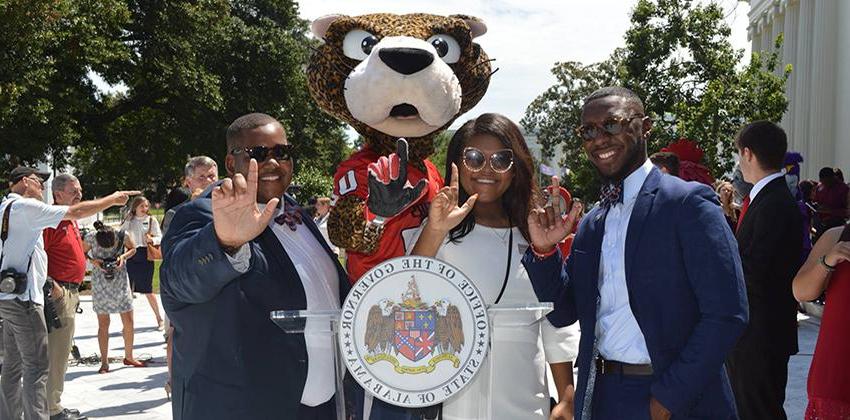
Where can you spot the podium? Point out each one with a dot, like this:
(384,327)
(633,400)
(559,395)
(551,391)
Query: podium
(326,323)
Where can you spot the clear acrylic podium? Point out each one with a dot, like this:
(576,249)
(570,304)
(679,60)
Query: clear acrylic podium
(326,323)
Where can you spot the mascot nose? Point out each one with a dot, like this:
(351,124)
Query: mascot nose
(406,60)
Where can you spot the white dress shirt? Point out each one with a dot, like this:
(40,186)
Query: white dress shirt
(27,219)
(762,183)
(321,286)
(618,335)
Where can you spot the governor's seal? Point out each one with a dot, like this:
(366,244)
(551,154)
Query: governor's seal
(414,331)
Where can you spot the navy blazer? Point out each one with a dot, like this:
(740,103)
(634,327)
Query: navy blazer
(230,361)
(686,290)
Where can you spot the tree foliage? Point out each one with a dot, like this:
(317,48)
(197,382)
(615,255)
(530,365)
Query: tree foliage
(186,70)
(678,58)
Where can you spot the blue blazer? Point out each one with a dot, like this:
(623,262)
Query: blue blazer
(230,361)
(686,290)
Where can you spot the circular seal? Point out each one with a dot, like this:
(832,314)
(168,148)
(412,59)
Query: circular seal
(414,331)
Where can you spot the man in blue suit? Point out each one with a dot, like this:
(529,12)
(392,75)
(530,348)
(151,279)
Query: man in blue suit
(228,262)
(654,279)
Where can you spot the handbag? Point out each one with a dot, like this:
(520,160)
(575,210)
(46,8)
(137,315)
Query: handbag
(154,251)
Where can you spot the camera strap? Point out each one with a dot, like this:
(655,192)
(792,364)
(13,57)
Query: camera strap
(4,232)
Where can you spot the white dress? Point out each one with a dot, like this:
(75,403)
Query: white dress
(520,354)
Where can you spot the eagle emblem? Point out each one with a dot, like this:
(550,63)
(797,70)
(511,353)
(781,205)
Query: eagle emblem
(414,330)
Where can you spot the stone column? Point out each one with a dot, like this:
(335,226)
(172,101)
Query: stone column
(822,119)
(789,56)
(842,88)
(802,87)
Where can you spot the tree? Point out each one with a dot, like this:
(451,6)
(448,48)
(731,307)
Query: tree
(188,69)
(679,60)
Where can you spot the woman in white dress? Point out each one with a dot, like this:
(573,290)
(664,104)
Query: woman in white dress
(490,171)
(109,252)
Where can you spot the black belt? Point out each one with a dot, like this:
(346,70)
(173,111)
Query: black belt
(604,367)
(74,287)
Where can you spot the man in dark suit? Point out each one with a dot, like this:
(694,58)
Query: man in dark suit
(228,263)
(654,279)
(770,239)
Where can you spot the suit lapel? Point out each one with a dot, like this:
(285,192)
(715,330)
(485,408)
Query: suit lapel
(757,203)
(640,212)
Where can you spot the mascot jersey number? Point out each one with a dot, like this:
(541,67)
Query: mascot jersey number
(390,77)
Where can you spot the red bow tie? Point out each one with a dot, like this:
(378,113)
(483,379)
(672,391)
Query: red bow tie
(291,216)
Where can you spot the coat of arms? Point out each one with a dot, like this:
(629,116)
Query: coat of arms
(414,330)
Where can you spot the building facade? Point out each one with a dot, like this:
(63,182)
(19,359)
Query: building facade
(817,45)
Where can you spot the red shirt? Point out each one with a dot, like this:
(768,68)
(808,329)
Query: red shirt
(831,199)
(352,178)
(66,260)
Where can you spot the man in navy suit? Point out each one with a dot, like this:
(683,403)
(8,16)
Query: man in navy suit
(654,279)
(228,263)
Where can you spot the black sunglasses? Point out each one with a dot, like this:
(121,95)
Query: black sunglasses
(501,161)
(261,153)
(612,126)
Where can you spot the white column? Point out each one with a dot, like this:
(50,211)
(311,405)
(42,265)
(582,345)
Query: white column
(802,86)
(789,56)
(822,86)
(842,89)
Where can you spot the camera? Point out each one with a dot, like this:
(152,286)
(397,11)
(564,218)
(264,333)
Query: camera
(11,281)
(109,266)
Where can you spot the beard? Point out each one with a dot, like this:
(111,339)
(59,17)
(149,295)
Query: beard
(635,156)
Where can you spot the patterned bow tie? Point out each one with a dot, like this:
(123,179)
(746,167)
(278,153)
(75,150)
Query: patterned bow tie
(291,216)
(612,193)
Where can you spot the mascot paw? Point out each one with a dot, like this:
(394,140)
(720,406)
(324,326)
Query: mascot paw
(389,192)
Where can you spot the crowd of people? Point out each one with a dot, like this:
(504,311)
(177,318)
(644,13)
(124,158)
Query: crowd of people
(686,293)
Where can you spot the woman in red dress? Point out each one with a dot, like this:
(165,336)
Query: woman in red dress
(826,269)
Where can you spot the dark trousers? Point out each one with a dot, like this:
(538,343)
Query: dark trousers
(324,411)
(758,382)
(618,397)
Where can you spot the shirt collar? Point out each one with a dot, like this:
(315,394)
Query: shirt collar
(634,182)
(763,182)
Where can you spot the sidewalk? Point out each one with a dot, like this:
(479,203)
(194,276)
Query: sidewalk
(137,393)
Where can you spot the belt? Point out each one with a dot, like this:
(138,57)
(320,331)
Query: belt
(604,367)
(74,287)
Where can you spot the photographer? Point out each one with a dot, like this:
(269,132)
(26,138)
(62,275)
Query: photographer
(109,251)
(23,265)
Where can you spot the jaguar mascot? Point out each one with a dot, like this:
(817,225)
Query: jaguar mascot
(392,77)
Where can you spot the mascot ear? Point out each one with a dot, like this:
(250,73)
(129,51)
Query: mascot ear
(476,26)
(320,26)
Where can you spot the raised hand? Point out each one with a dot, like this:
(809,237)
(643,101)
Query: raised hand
(120,198)
(547,227)
(236,216)
(444,213)
(389,192)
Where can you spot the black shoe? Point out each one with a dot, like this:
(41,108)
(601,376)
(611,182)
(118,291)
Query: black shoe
(67,415)
(73,411)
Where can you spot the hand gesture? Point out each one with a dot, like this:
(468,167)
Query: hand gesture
(389,192)
(236,216)
(839,253)
(120,198)
(444,213)
(547,227)
(120,261)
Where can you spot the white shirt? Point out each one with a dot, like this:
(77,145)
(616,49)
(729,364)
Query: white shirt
(321,286)
(138,227)
(618,335)
(26,221)
(322,224)
(520,388)
(762,183)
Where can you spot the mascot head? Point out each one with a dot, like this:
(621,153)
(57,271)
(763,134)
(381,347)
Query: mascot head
(392,76)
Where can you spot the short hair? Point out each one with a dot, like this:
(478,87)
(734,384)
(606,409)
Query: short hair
(619,91)
(61,181)
(839,174)
(826,172)
(668,160)
(246,122)
(196,162)
(767,141)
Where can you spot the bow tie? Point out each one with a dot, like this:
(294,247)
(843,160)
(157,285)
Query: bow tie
(611,194)
(291,216)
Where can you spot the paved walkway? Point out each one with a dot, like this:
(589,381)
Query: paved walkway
(137,393)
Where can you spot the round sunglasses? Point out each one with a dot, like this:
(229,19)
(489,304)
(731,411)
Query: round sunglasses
(612,126)
(261,153)
(501,161)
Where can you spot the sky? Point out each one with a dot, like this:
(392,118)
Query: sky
(528,37)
